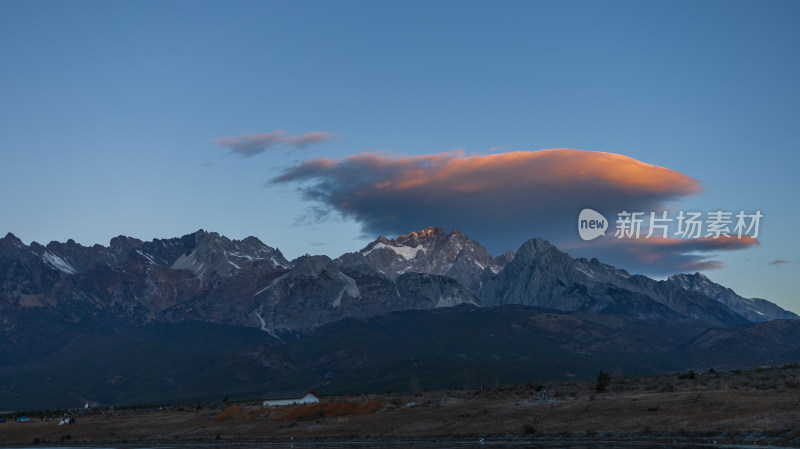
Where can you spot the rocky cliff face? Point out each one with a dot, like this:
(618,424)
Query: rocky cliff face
(431,251)
(756,310)
(317,291)
(198,277)
(540,275)
(59,288)
(47,290)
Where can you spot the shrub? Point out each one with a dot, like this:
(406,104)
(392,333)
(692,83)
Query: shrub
(603,380)
(666,387)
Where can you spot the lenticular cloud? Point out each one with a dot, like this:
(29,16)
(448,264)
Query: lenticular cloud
(499,199)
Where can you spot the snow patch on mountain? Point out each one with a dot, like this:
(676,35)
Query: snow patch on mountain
(451,301)
(148,257)
(272,284)
(264,326)
(406,252)
(189,262)
(58,263)
(349,287)
(240,255)
(276,264)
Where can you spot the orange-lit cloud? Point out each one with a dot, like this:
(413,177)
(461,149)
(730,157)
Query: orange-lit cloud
(247,145)
(779,262)
(498,199)
(457,172)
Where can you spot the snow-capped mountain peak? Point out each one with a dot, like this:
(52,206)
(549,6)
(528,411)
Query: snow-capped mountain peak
(432,251)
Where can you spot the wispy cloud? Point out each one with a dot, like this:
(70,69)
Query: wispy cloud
(310,138)
(251,144)
(779,262)
(665,256)
(499,199)
(248,145)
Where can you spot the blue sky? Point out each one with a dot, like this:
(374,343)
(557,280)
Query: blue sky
(112,112)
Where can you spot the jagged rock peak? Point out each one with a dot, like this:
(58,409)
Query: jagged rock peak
(696,281)
(251,240)
(535,248)
(11,238)
(312,266)
(427,232)
(689,276)
(427,237)
(431,250)
(208,237)
(123,241)
(201,235)
(12,246)
(431,234)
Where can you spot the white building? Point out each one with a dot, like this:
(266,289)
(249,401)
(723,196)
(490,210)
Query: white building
(290,398)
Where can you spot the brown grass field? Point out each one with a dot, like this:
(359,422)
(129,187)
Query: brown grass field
(752,407)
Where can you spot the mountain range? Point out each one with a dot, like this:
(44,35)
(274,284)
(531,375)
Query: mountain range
(347,324)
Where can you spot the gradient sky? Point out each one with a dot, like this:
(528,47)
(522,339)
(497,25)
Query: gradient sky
(154,119)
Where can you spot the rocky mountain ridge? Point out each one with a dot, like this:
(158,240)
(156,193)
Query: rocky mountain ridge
(235,314)
(204,276)
(756,310)
(198,277)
